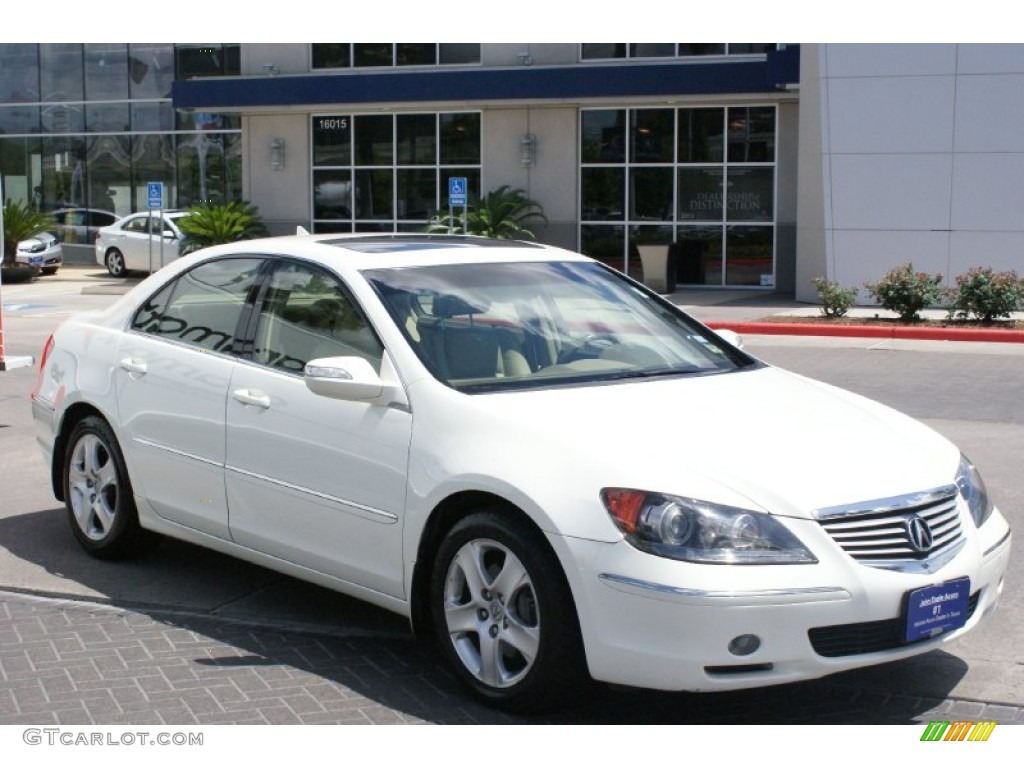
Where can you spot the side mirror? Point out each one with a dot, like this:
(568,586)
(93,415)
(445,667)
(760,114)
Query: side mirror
(343,378)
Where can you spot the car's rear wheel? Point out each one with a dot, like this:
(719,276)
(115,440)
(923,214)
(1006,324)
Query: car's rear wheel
(504,616)
(98,495)
(115,263)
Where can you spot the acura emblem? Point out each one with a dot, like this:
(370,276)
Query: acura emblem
(919,534)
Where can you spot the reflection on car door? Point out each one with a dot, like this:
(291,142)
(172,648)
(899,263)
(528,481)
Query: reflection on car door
(172,382)
(313,480)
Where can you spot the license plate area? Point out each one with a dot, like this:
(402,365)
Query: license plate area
(935,610)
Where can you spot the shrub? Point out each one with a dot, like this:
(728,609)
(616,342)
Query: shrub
(208,225)
(907,292)
(501,213)
(835,300)
(21,223)
(986,295)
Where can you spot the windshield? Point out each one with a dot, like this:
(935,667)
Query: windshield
(480,327)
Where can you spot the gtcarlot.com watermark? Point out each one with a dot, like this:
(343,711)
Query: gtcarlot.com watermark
(70,737)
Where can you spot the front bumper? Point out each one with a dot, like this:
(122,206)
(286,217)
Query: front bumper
(662,624)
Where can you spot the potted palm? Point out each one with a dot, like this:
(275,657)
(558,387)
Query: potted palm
(208,225)
(502,213)
(20,223)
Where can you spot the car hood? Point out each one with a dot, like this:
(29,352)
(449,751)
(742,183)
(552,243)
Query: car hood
(762,437)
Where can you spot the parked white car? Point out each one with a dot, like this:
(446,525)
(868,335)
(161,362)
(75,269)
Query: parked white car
(127,245)
(548,467)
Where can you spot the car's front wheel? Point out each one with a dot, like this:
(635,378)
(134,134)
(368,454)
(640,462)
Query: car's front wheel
(504,615)
(98,494)
(115,263)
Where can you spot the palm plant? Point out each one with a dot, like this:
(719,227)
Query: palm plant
(208,225)
(21,223)
(502,213)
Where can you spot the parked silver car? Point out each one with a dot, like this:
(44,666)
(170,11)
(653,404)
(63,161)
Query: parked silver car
(43,251)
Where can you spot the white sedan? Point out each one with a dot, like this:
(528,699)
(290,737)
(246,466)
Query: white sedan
(127,245)
(544,465)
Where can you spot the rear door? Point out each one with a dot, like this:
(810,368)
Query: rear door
(172,381)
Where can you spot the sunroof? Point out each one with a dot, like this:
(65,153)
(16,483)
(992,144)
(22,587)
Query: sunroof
(396,243)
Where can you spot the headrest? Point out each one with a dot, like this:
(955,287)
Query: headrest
(452,306)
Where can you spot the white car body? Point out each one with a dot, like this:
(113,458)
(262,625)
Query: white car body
(344,487)
(43,251)
(126,245)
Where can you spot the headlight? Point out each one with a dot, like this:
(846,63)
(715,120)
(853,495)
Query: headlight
(701,532)
(972,489)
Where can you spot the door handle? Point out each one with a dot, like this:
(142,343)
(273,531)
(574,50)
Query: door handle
(254,397)
(135,366)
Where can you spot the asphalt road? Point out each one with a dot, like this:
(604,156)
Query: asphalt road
(262,627)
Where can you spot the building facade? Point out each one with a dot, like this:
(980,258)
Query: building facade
(762,165)
(909,153)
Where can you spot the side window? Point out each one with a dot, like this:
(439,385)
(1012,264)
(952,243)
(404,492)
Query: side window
(307,314)
(202,307)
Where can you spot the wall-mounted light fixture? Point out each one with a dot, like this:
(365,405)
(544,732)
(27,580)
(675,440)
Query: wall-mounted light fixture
(271,69)
(525,58)
(277,154)
(528,150)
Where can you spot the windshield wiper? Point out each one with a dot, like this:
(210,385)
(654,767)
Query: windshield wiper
(653,373)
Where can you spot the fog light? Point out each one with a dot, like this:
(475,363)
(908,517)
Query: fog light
(744,645)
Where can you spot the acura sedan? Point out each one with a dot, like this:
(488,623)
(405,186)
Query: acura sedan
(551,470)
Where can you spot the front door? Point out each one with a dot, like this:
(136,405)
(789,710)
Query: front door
(312,480)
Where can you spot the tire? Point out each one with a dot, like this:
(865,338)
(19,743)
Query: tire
(98,494)
(115,263)
(503,615)
(50,270)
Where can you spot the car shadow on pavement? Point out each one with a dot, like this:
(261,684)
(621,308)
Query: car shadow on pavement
(260,647)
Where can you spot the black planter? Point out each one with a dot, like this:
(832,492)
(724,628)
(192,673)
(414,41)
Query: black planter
(18,273)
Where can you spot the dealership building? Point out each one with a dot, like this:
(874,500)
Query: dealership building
(755,165)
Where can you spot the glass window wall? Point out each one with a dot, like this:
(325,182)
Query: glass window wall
(598,51)
(698,179)
(89,125)
(389,173)
(347,55)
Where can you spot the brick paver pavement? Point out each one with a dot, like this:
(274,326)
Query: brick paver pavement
(66,662)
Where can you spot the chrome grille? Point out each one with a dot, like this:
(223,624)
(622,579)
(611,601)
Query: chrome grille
(918,531)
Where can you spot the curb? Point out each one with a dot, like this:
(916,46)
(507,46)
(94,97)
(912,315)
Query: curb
(931,333)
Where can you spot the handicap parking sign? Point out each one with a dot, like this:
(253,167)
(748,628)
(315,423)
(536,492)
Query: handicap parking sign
(155,194)
(457,191)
